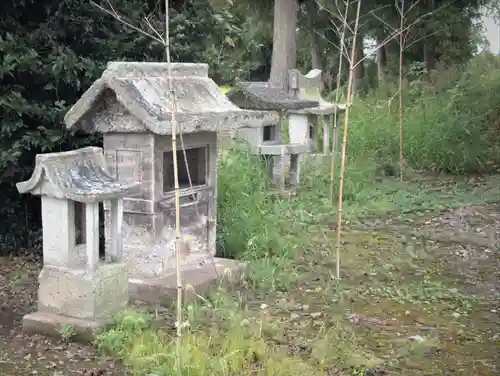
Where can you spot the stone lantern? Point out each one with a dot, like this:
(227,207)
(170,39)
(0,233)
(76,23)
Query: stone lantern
(266,140)
(303,123)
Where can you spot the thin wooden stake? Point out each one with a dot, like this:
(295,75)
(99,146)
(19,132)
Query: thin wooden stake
(178,236)
(401,110)
(344,140)
(335,114)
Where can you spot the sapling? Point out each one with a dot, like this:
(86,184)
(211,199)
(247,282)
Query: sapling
(178,237)
(337,98)
(344,139)
(352,65)
(180,245)
(403,32)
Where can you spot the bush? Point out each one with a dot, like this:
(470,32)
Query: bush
(253,224)
(453,129)
(250,223)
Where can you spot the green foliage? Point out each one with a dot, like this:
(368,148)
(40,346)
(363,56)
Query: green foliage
(251,224)
(236,46)
(41,74)
(454,129)
(231,346)
(254,224)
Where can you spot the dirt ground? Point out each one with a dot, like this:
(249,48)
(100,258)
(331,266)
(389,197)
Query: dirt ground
(419,295)
(430,279)
(23,354)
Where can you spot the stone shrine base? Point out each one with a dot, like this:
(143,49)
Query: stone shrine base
(202,278)
(161,291)
(52,325)
(76,302)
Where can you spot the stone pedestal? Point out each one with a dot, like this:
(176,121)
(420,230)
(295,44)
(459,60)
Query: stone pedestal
(201,278)
(77,297)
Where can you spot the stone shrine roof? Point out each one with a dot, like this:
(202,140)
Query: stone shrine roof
(77,175)
(263,96)
(308,87)
(142,90)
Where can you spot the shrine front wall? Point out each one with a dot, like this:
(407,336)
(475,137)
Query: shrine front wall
(130,158)
(149,235)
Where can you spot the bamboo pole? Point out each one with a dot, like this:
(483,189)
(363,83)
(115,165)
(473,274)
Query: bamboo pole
(337,98)
(171,95)
(344,140)
(178,236)
(401,109)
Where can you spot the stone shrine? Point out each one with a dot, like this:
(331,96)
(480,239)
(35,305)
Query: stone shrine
(130,105)
(75,288)
(303,123)
(266,140)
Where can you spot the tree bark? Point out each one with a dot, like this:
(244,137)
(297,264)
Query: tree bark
(429,55)
(381,62)
(429,44)
(359,70)
(284,42)
(312,14)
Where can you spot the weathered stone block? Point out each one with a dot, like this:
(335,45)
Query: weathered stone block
(83,295)
(51,325)
(201,279)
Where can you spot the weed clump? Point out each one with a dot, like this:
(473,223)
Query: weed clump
(255,225)
(232,348)
(249,224)
(450,124)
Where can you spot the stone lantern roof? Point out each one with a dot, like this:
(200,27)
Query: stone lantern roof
(264,96)
(141,90)
(77,175)
(308,87)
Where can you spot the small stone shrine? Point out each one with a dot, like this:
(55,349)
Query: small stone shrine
(266,140)
(75,288)
(303,123)
(130,105)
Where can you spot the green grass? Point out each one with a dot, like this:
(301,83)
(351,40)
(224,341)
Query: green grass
(289,316)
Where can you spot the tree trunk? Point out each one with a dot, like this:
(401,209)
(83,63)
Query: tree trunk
(359,70)
(429,54)
(312,14)
(381,62)
(284,42)
(430,43)
(316,59)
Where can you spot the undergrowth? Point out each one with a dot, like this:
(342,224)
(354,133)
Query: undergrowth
(451,125)
(236,343)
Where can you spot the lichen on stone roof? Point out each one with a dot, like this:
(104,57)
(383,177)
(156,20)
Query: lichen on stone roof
(77,175)
(142,89)
(263,96)
(308,87)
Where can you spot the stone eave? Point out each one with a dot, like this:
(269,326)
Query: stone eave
(43,173)
(227,117)
(262,96)
(325,108)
